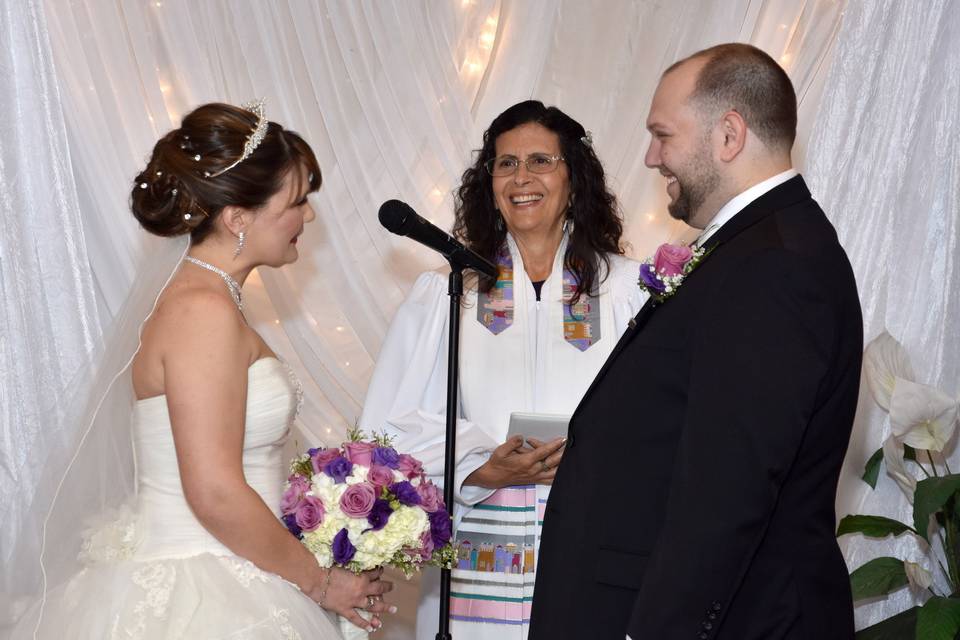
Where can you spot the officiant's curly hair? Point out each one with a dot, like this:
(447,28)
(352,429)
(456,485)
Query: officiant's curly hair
(182,189)
(593,209)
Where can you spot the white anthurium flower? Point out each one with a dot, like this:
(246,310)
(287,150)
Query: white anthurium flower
(917,575)
(893,462)
(922,416)
(885,360)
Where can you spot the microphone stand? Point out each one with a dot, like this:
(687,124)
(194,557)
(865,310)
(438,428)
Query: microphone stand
(455,291)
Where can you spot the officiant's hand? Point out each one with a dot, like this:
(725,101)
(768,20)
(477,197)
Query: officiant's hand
(348,592)
(513,464)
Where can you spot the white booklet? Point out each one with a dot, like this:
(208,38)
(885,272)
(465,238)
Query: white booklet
(540,426)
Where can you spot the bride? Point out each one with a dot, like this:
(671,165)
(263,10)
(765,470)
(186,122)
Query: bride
(202,554)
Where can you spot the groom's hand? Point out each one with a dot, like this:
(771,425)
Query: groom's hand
(513,464)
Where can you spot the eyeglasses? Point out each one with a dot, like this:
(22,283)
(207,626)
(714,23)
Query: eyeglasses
(535,163)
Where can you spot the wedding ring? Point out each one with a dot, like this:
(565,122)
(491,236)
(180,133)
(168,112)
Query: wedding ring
(544,466)
(370,602)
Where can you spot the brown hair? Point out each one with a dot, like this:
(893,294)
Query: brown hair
(173,195)
(593,208)
(745,79)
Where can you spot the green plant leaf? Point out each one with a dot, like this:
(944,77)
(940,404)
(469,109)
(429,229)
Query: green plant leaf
(930,496)
(873,526)
(909,453)
(939,619)
(877,577)
(900,627)
(872,469)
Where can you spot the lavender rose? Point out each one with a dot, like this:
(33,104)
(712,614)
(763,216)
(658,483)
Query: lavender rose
(293,495)
(379,515)
(430,497)
(291,521)
(359,452)
(387,456)
(406,493)
(310,514)
(343,550)
(319,458)
(357,500)
(671,258)
(441,529)
(409,466)
(338,469)
(426,544)
(648,278)
(380,476)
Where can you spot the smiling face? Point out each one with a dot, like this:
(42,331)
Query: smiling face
(531,203)
(681,147)
(273,233)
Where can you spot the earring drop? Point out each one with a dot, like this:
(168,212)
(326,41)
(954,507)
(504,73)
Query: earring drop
(240,240)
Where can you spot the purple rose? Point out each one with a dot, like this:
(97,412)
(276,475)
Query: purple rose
(379,515)
(670,259)
(359,452)
(291,521)
(320,458)
(338,469)
(293,495)
(357,500)
(430,497)
(380,475)
(343,550)
(409,466)
(441,528)
(426,544)
(406,493)
(310,514)
(648,278)
(387,456)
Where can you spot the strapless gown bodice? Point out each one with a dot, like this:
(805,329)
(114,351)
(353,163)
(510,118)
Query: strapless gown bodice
(155,573)
(166,524)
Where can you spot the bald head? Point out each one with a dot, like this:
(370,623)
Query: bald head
(742,78)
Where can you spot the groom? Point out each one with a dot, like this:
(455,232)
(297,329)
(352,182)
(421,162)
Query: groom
(695,499)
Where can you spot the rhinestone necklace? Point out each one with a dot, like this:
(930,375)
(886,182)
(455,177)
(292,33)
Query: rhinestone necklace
(232,284)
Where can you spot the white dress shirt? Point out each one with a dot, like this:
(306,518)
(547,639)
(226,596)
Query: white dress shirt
(739,202)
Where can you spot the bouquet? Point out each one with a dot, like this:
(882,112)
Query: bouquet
(363,505)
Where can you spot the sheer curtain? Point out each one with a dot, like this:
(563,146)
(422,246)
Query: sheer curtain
(394,96)
(884,161)
(49,321)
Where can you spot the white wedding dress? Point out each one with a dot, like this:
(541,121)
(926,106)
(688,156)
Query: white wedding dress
(157,573)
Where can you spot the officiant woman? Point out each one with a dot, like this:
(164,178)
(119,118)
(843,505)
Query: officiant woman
(536,204)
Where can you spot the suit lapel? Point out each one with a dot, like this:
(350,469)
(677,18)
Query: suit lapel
(790,192)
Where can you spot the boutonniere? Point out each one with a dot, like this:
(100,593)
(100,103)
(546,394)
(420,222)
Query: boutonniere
(662,275)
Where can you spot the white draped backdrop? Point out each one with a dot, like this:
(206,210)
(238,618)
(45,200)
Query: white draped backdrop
(394,96)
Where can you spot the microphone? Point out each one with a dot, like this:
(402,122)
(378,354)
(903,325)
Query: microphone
(399,218)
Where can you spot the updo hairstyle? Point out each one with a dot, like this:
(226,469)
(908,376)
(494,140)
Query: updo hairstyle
(178,192)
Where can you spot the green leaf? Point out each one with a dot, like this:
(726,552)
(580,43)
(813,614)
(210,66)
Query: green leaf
(872,469)
(939,619)
(873,526)
(909,453)
(930,496)
(900,627)
(878,577)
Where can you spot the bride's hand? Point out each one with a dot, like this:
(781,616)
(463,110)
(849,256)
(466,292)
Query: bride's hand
(345,592)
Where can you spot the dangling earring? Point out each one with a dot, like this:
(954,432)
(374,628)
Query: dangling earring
(499,222)
(240,240)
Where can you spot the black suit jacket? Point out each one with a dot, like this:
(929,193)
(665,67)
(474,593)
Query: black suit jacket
(695,499)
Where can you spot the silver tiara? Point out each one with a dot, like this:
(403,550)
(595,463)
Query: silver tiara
(253,140)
